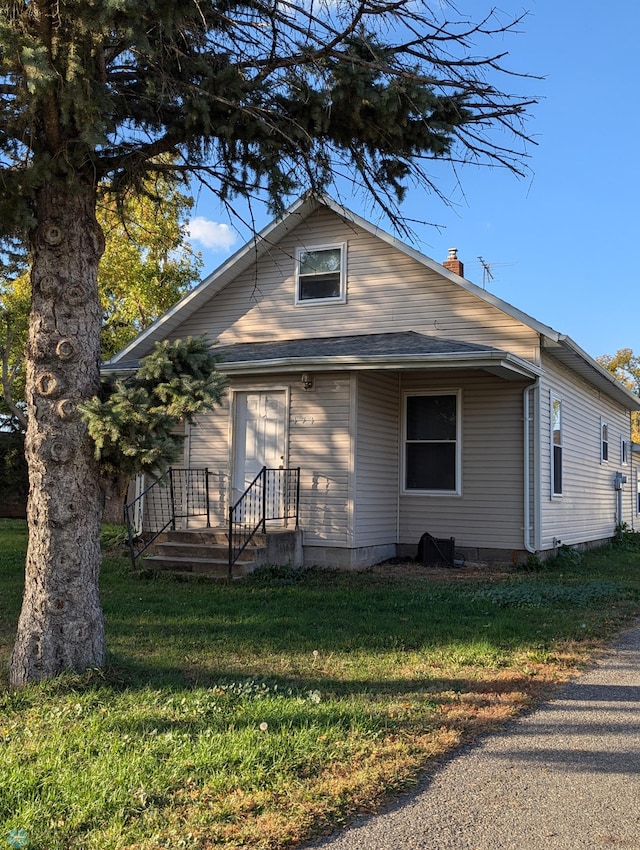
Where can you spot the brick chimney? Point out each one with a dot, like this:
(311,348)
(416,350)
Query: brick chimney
(453,263)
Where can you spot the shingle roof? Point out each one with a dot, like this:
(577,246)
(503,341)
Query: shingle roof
(362,345)
(400,350)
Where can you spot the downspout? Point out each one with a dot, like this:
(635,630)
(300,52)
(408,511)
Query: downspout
(530,531)
(399,459)
(633,489)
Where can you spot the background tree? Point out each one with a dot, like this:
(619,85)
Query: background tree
(624,365)
(258,97)
(146,267)
(147,264)
(15,297)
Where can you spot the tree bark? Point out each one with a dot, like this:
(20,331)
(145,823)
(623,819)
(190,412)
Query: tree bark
(114,491)
(61,624)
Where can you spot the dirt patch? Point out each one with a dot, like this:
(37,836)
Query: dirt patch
(469,571)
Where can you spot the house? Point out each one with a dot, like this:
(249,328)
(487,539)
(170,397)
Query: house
(412,400)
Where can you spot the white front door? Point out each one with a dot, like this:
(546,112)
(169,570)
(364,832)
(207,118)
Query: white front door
(259,435)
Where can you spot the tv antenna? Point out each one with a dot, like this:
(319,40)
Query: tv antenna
(487,274)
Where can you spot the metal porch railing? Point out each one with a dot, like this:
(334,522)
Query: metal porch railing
(178,494)
(273,495)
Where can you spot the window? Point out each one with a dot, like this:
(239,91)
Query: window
(556,447)
(604,441)
(624,450)
(320,274)
(432,442)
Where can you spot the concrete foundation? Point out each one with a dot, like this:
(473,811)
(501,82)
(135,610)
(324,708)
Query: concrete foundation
(338,558)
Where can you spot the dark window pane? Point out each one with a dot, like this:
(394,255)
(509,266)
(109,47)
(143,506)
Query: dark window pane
(557,469)
(431,466)
(320,286)
(431,417)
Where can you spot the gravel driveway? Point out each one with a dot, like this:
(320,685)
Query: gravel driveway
(565,777)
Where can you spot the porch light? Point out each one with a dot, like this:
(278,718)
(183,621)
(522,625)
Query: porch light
(306,380)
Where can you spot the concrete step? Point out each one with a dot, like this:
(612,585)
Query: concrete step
(206,551)
(215,551)
(208,536)
(214,568)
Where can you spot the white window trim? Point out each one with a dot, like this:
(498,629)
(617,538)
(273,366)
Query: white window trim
(403,472)
(342,298)
(552,493)
(604,424)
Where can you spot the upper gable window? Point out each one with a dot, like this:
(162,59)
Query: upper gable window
(320,274)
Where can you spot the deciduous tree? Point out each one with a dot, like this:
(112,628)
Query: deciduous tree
(148,263)
(624,365)
(15,297)
(267,97)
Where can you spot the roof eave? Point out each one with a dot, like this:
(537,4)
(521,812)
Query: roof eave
(571,355)
(501,363)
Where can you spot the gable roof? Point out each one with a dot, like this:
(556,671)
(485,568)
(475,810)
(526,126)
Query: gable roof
(558,345)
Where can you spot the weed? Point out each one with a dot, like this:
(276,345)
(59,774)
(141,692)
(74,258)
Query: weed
(284,574)
(114,539)
(540,594)
(626,538)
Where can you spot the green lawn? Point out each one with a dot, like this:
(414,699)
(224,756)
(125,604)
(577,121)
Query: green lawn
(261,713)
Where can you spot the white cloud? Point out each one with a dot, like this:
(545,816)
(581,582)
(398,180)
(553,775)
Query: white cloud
(211,234)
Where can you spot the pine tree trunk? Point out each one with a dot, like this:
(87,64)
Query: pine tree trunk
(61,624)
(114,491)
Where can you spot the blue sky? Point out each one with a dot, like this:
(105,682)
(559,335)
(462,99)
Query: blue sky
(560,243)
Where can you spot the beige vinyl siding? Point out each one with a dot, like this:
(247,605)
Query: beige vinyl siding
(387,291)
(320,444)
(587,508)
(377,459)
(489,513)
(208,446)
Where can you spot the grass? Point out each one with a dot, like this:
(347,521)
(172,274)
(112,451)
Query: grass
(262,713)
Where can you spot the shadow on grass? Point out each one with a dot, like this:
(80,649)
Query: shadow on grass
(123,673)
